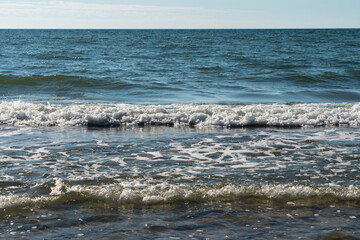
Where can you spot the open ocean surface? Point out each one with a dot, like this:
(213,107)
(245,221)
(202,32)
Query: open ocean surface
(180,134)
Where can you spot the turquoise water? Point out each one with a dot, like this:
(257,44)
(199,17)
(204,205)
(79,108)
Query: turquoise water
(180,66)
(180,134)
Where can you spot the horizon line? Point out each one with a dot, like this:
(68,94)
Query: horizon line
(275,28)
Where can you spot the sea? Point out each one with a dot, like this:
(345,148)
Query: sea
(180,134)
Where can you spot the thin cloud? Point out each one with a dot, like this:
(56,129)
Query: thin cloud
(15,7)
(76,14)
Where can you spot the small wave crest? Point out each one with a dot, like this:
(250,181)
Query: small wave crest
(33,80)
(201,115)
(60,81)
(123,194)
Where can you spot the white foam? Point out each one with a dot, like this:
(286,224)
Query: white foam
(272,115)
(130,193)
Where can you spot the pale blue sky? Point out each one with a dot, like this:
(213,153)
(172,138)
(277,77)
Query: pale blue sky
(180,14)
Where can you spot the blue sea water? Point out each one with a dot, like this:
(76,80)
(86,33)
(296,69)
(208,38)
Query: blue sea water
(180,134)
(180,66)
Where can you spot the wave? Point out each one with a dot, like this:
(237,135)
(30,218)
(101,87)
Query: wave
(123,194)
(200,115)
(60,81)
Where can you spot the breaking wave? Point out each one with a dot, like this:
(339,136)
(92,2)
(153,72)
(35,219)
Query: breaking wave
(255,115)
(169,194)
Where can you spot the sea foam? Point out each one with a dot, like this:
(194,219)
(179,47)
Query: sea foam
(101,114)
(168,194)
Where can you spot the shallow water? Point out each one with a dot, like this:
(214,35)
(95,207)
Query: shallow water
(162,182)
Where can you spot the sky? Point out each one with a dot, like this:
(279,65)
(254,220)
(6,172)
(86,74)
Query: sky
(179,14)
